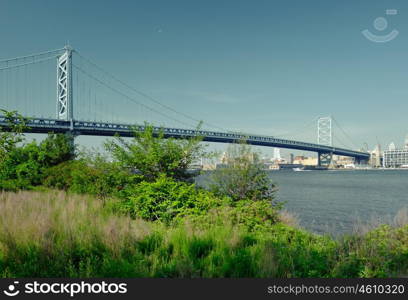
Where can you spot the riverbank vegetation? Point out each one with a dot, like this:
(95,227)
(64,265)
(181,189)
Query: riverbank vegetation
(138,213)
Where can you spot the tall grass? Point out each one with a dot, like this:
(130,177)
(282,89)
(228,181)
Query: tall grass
(54,234)
(362,227)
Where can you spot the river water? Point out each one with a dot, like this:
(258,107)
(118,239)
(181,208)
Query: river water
(336,202)
(342,201)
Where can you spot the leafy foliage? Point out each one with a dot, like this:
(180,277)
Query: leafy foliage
(382,252)
(56,148)
(243,177)
(153,155)
(9,138)
(166,200)
(95,176)
(251,215)
(24,166)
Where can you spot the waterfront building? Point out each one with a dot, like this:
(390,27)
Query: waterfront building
(395,158)
(343,161)
(376,157)
(391,147)
(276,153)
(305,161)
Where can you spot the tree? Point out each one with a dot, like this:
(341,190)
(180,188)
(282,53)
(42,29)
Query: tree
(12,134)
(243,177)
(23,166)
(56,148)
(153,155)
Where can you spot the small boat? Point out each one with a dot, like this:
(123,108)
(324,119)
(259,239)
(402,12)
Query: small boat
(310,168)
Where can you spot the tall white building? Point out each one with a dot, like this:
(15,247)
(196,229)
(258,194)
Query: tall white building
(391,147)
(396,158)
(276,153)
(376,157)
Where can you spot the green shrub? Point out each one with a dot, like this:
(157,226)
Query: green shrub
(61,176)
(166,199)
(24,167)
(154,156)
(382,252)
(253,216)
(243,177)
(96,177)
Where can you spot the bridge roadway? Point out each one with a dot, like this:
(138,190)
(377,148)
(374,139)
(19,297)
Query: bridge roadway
(42,125)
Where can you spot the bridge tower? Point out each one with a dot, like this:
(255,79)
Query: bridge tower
(65,107)
(324,131)
(64,86)
(324,137)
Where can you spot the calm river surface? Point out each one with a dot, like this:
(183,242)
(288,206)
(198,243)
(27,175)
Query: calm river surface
(335,201)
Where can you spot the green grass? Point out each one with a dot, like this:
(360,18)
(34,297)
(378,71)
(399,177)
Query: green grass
(54,234)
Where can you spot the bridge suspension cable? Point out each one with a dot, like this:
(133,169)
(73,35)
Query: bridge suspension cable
(128,97)
(345,133)
(300,131)
(27,63)
(146,95)
(32,55)
(25,82)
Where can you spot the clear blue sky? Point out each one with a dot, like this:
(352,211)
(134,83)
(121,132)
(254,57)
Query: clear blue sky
(267,67)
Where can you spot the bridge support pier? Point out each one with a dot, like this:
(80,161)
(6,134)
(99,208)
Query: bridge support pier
(324,159)
(71,135)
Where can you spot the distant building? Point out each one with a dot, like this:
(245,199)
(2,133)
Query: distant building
(276,153)
(305,161)
(395,158)
(376,157)
(343,161)
(391,147)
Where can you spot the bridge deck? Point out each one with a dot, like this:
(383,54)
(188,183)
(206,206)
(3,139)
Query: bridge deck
(42,125)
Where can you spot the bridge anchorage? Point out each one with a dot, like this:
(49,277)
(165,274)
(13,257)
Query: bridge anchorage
(67,120)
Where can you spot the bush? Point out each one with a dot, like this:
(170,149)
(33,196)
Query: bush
(243,177)
(165,200)
(96,177)
(62,176)
(9,139)
(24,167)
(153,155)
(254,216)
(382,252)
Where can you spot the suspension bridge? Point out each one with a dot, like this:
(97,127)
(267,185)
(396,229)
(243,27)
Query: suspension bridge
(90,101)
